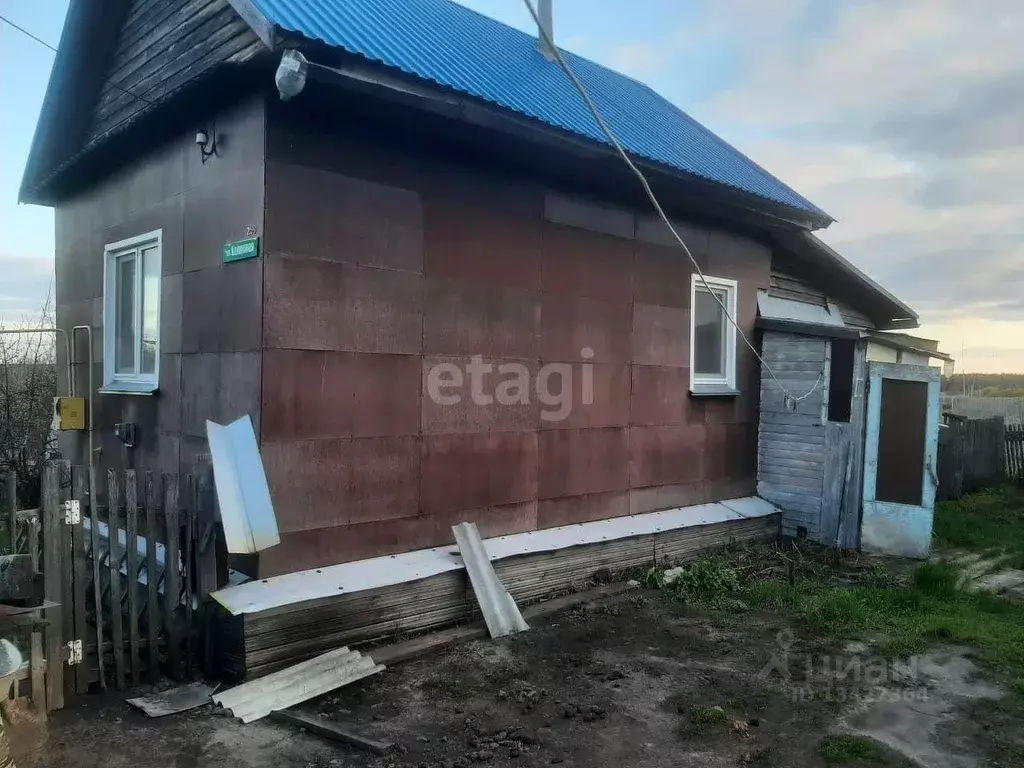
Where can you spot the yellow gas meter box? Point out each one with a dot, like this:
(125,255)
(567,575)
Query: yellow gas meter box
(71,412)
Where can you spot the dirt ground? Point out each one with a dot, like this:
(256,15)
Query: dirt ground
(638,680)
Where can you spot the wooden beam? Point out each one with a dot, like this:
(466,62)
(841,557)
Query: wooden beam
(79,491)
(331,731)
(97,585)
(52,570)
(154,492)
(131,517)
(114,563)
(12,510)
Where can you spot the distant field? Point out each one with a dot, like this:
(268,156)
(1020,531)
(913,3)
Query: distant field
(1010,408)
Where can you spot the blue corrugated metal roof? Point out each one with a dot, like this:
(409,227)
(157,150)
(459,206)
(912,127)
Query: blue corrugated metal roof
(455,47)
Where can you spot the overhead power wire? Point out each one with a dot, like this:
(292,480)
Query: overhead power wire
(610,135)
(45,44)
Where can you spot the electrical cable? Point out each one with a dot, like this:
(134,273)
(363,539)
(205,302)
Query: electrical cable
(47,45)
(609,134)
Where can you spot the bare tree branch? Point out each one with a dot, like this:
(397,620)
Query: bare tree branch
(28,384)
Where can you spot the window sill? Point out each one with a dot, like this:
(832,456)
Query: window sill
(713,390)
(126,388)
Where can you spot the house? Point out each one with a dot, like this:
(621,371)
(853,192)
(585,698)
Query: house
(411,256)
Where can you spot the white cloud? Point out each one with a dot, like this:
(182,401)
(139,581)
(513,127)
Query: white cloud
(637,59)
(904,119)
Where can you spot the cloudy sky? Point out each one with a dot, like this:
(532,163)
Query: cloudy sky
(904,119)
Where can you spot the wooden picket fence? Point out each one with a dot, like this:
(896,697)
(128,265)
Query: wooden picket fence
(976,454)
(1015,452)
(24,531)
(131,575)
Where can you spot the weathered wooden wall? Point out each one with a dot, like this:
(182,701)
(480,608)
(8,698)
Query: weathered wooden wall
(791,443)
(973,455)
(810,467)
(851,492)
(1015,452)
(163,45)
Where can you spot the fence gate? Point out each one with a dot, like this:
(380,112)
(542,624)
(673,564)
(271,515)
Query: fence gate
(130,576)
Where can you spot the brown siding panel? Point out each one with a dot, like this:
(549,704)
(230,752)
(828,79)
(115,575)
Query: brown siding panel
(455,410)
(581,461)
(569,510)
(484,235)
(570,324)
(662,276)
(661,335)
(339,394)
(661,395)
(475,471)
(463,318)
(665,455)
(606,406)
(329,216)
(316,304)
(323,483)
(580,263)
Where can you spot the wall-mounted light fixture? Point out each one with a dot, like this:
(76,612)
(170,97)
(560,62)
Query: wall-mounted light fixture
(207,145)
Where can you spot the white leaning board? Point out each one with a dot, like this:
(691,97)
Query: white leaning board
(499,609)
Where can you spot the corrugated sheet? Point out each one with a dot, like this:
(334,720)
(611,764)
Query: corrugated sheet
(452,46)
(296,684)
(499,609)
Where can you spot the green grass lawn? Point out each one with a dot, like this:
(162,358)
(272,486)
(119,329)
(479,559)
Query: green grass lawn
(989,522)
(902,606)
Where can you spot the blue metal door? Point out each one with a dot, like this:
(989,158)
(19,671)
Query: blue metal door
(900,459)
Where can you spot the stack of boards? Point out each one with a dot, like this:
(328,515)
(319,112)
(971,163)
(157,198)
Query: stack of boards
(256,644)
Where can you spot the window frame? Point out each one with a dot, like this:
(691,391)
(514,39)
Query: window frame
(707,383)
(135,382)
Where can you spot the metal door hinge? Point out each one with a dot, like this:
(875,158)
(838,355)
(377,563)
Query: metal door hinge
(74,652)
(72,512)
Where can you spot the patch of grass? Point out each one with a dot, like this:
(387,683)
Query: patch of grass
(908,618)
(709,581)
(938,579)
(991,522)
(709,716)
(842,748)
(1018,685)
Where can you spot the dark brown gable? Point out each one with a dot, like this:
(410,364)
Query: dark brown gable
(118,61)
(163,45)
